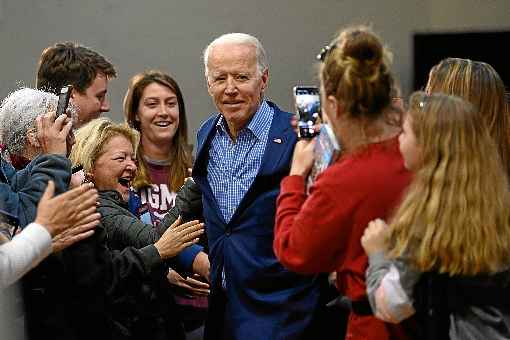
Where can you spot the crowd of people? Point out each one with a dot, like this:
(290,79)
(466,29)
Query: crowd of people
(116,231)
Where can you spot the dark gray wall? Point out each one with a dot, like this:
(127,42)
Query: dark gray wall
(171,34)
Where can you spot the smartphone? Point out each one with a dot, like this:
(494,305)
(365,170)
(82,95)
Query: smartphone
(308,109)
(63,100)
(9,224)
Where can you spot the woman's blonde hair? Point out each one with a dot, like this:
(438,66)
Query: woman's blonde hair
(454,217)
(480,84)
(92,137)
(356,71)
(181,150)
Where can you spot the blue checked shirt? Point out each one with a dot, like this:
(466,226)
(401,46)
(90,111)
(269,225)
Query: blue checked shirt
(233,166)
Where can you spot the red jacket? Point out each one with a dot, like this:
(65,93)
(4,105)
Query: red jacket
(322,232)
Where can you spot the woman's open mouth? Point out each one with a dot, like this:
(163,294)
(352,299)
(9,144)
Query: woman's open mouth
(125,182)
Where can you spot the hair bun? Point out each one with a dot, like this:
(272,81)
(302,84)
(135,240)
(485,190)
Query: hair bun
(363,53)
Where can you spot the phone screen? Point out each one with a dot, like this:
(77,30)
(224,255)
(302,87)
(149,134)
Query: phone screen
(308,109)
(63,100)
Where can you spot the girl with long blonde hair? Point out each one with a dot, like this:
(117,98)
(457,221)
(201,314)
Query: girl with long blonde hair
(453,222)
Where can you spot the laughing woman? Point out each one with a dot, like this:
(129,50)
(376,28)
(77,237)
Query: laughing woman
(107,152)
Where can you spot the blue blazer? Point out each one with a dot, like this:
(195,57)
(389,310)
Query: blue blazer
(263,300)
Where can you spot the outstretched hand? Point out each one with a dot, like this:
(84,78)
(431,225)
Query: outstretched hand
(178,237)
(69,217)
(192,285)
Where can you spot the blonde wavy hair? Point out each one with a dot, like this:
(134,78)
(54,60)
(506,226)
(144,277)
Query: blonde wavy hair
(92,137)
(455,215)
(480,84)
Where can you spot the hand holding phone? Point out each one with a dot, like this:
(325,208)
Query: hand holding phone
(308,109)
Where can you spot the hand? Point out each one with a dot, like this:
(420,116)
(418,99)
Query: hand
(75,234)
(316,126)
(72,208)
(303,158)
(375,237)
(70,141)
(191,285)
(178,237)
(53,133)
(201,265)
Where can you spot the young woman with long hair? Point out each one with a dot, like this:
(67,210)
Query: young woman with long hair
(154,106)
(447,248)
(320,232)
(480,84)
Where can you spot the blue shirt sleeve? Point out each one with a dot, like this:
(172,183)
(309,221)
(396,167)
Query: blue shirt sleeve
(186,257)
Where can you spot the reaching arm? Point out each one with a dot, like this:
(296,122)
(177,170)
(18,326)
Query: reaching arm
(389,288)
(25,251)
(25,188)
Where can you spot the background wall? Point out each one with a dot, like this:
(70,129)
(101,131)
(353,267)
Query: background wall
(171,34)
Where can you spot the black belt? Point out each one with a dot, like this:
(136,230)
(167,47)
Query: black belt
(360,307)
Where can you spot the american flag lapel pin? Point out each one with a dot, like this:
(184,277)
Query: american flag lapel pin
(277,140)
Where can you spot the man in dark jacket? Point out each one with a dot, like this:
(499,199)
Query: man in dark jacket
(243,152)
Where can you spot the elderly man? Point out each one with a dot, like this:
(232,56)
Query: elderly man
(46,157)
(83,68)
(243,152)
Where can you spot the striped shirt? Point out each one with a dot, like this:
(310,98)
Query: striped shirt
(232,165)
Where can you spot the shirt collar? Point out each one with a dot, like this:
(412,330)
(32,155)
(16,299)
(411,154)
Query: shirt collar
(258,125)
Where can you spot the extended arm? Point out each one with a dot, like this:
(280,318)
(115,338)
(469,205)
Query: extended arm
(25,188)
(25,251)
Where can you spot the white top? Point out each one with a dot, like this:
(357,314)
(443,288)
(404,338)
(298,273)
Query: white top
(25,251)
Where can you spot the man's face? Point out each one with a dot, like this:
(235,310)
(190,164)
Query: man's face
(234,83)
(91,103)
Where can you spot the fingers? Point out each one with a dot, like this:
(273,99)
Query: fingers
(78,229)
(189,226)
(89,201)
(176,223)
(59,122)
(89,217)
(195,234)
(197,284)
(190,243)
(67,128)
(60,244)
(39,127)
(81,236)
(77,201)
(192,232)
(48,192)
(85,189)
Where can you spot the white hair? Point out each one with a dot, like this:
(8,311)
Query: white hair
(18,113)
(240,39)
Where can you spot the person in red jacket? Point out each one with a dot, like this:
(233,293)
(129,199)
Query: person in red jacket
(320,231)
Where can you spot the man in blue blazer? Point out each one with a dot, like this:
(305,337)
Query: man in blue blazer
(243,152)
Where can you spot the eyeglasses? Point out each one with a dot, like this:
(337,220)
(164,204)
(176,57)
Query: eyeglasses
(326,50)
